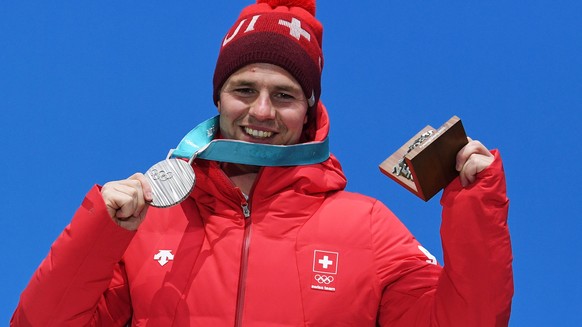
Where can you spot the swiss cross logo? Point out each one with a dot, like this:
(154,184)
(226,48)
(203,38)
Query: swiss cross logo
(325,265)
(325,262)
(295,29)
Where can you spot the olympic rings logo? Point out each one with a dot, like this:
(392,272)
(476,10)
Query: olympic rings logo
(323,279)
(161,175)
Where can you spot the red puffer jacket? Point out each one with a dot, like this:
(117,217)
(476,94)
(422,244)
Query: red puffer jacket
(300,252)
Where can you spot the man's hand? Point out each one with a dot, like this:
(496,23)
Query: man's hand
(128,200)
(471,160)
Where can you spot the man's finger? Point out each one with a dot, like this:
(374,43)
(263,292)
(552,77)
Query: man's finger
(473,147)
(145,186)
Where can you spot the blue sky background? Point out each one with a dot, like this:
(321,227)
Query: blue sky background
(95,91)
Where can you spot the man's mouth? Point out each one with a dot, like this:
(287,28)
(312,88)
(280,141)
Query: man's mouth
(258,134)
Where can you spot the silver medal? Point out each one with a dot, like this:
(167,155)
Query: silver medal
(171,180)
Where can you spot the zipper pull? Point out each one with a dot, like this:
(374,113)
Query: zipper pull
(246,210)
(244,204)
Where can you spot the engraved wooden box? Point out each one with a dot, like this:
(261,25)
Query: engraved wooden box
(426,163)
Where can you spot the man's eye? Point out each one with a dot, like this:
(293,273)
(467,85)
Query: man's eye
(284,96)
(244,90)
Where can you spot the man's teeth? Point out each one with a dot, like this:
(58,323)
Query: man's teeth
(255,133)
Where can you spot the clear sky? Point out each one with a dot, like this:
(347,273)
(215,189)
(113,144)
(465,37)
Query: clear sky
(92,91)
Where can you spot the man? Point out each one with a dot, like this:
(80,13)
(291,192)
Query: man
(275,246)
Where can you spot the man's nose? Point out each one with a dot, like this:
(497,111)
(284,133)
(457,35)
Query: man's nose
(262,108)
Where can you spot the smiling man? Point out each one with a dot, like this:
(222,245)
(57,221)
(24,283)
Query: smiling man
(260,103)
(262,245)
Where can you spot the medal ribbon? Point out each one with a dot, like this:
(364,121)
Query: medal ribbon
(200,143)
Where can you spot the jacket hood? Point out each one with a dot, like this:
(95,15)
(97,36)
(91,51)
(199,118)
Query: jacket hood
(317,126)
(309,179)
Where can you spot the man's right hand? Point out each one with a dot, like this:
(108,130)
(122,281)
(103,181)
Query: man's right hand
(127,200)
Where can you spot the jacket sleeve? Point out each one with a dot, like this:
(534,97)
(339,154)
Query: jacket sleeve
(82,280)
(475,285)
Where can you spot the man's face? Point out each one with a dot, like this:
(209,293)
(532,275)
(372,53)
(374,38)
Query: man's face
(262,103)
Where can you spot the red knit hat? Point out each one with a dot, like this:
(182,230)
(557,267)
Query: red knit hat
(280,32)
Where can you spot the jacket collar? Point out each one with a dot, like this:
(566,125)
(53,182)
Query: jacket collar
(310,180)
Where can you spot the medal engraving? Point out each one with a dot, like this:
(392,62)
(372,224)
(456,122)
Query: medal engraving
(171,180)
(402,169)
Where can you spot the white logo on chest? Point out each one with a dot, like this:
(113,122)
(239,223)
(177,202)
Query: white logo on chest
(325,264)
(163,257)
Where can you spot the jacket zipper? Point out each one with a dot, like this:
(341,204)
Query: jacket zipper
(240,298)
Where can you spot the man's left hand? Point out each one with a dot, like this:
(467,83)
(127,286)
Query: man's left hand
(471,160)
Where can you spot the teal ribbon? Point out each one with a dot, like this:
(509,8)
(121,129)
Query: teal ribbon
(200,143)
